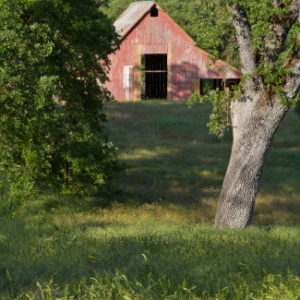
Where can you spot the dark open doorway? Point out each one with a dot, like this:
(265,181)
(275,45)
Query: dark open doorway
(156,76)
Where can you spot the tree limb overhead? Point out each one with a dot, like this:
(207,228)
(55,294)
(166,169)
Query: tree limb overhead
(280,29)
(292,86)
(244,39)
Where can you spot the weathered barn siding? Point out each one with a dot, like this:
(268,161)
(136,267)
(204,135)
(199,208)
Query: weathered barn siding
(161,35)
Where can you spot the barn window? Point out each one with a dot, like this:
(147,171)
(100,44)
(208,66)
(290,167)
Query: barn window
(154,11)
(230,83)
(207,85)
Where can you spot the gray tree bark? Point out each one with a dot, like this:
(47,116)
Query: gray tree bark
(253,130)
(255,119)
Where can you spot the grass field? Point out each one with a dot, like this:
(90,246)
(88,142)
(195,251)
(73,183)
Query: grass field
(153,238)
(173,160)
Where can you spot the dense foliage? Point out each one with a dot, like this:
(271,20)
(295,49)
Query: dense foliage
(51,105)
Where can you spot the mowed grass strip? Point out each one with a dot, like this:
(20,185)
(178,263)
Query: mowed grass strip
(153,238)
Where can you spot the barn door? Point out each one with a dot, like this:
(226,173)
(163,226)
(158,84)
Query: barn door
(156,76)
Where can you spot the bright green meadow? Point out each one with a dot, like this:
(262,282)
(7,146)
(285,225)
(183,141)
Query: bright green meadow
(152,237)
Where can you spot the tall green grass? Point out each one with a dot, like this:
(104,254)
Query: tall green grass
(146,260)
(152,238)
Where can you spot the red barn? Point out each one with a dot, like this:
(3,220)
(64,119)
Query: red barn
(157,59)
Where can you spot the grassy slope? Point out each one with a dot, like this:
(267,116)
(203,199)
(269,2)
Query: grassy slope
(157,231)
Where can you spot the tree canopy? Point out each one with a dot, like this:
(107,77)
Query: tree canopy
(51,100)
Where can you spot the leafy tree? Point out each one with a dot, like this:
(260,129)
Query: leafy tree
(51,103)
(268,38)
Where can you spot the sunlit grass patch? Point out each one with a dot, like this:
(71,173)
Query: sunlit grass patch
(147,154)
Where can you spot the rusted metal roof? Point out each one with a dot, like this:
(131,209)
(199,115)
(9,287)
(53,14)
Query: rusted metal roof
(131,16)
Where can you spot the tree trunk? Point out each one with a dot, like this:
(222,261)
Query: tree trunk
(255,118)
(254,124)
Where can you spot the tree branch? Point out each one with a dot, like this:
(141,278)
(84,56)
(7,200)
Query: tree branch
(244,39)
(295,6)
(292,86)
(280,29)
(275,3)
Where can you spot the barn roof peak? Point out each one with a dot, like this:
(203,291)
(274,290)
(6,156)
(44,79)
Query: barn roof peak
(132,15)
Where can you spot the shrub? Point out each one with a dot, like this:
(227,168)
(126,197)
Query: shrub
(51,117)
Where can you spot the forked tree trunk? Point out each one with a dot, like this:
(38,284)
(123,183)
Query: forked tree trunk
(255,118)
(254,124)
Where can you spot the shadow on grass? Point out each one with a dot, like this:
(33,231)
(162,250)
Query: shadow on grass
(172,158)
(168,151)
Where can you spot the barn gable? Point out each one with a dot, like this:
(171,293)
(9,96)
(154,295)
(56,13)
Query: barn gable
(157,59)
(134,14)
(131,16)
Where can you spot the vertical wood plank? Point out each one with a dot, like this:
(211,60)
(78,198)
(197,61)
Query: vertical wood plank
(196,86)
(170,72)
(137,72)
(194,82)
